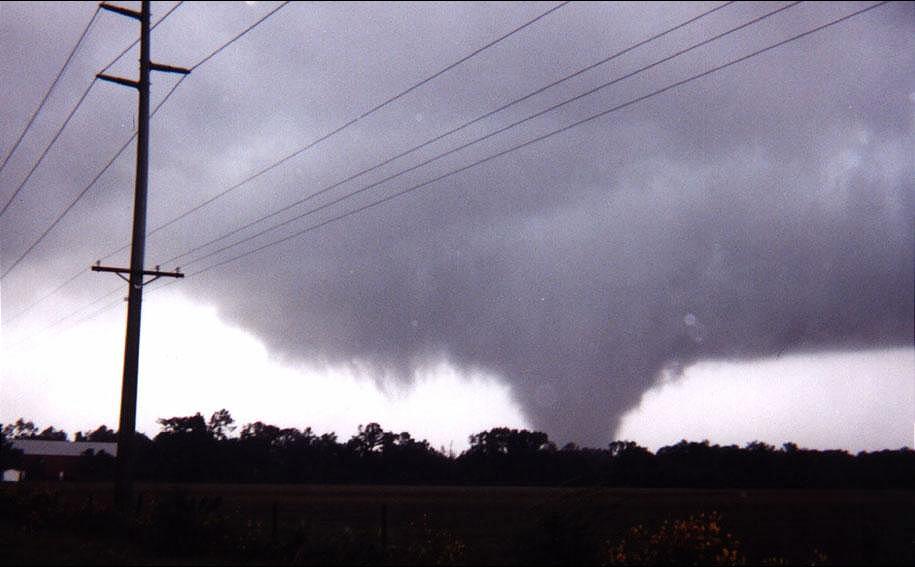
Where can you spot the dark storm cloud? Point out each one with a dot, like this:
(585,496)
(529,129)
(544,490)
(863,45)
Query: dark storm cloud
(766,209)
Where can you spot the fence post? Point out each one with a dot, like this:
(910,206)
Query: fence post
(384,530)
(274,527)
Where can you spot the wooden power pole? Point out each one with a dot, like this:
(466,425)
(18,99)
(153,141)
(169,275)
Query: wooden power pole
(136,272)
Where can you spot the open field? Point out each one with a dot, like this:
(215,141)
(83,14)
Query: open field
(475,525)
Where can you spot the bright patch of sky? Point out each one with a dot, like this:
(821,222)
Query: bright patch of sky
(858,401)
(192,361)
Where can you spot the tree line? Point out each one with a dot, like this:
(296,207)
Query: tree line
(193,449)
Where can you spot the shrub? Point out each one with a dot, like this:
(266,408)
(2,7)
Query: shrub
(697,540)
(430,546)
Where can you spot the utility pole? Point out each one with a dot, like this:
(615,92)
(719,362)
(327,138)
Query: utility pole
(128,418)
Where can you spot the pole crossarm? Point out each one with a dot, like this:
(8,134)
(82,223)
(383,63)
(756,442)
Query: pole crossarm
(122,11)
(168,68)
(118,80)
(155,273)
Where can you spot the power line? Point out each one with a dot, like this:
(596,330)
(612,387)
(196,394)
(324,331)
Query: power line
(79,197)
(288,157)
(533,141)
(47,149)
(239,36)
(86,189)
(119,289)
(71,314)
(45,296)
(283,160)
(454,150)
(157,286)
(574,74)
(541,138)
(255,24)
(47,94)
(448,133)
(349,123)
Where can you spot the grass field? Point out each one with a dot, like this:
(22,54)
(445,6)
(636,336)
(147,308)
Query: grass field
(238,524)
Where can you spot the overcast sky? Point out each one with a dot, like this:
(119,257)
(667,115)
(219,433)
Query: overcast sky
(730,259)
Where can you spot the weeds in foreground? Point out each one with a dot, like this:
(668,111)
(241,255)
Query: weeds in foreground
(696,540)
(431,546)
(176,525)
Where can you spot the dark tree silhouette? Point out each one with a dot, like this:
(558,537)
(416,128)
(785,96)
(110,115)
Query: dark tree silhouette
(221,424)
(100,435)
(22,429)
(190,449)
(10,457)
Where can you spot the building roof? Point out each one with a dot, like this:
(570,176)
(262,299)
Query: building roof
(62,448)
